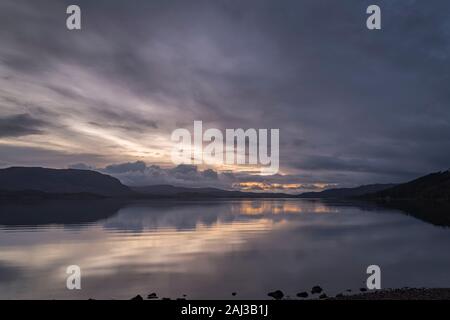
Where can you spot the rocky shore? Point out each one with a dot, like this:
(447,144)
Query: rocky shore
(400,294)
(317,293)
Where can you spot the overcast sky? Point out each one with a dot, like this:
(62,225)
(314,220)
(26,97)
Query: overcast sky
(353,106)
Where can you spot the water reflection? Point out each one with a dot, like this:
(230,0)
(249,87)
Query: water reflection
(65,212)
(208,249)
(252,207)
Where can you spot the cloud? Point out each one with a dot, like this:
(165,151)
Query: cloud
(43,157)
(353,106)
(20,125)
(137,166)
(281,187)
(140,174)
(210,174)
(337,163)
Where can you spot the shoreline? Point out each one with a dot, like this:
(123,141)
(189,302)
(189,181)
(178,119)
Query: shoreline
(400,294)
(317,293)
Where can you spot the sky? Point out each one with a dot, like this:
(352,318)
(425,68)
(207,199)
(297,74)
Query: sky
(354,106)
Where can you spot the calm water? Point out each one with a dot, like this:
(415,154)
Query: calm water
(209,249)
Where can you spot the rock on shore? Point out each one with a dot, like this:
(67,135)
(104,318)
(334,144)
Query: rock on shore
(400,294)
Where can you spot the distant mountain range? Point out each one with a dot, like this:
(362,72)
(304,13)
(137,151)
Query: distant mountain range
(168,191)
(35,182)
(17,182)
(347,192)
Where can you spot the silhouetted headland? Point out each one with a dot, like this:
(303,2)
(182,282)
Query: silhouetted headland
(434,186)
(35,181)
(339,193)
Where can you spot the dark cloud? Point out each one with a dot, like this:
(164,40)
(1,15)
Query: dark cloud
(126,167)
(210,174)
(353,105)
(139,174)
(8,273)
(20,125)
(107,114)
(33,156)
(337,163)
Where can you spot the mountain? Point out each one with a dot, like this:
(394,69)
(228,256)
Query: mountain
(168,191)
(42,183)
(36,180)
(434,186)
(346,192)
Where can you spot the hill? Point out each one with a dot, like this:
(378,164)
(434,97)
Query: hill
(166,189)
(42,183)
(169,191)
(16,180)
(434,186)
(346,192)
